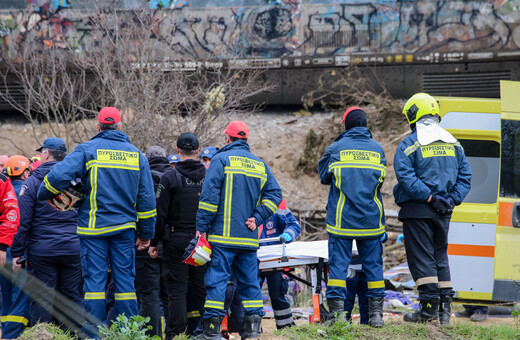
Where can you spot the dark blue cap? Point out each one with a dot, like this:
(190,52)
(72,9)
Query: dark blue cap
(54,144)
(188,141)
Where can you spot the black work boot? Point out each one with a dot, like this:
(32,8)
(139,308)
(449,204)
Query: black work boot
(375,312)
(336,310)
(252,326)
(445,310)
(429,312)
(210,328)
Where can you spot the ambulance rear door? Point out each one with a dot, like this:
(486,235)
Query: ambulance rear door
(471,241)
(507,248)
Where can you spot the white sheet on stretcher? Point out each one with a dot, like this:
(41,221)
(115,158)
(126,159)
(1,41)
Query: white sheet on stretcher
(299,250)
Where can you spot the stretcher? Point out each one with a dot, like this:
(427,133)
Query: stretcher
(285,257)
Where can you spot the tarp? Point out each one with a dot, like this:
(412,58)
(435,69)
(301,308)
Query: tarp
(298,250)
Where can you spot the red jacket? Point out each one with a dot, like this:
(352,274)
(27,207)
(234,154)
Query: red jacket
(9,212)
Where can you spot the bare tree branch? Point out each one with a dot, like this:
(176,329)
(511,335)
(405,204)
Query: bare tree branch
(123,63)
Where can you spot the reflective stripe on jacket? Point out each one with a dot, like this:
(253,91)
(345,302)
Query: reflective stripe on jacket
(118,185)
(238,186)
(438,168)
(355,167)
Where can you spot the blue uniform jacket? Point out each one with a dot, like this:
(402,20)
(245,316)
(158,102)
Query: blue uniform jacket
(439,169)
(17,185)
(118,185)
(238,186)
(355,167)
(283,221)
(43,230)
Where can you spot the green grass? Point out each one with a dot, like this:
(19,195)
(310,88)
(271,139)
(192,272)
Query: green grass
(397,329)
(46,331)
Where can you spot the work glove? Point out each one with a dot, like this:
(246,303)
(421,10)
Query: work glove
(400,238)
(384,237)
(452,202)
(441,204)
(287,237)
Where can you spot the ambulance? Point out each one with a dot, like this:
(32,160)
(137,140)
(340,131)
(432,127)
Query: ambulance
(484,236)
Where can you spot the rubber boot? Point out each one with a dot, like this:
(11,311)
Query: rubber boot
(429,312)
(445,310)
(252,326)
(336,310)
(210,328)
(375,311)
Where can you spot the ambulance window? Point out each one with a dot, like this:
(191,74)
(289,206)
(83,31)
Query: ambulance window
(484,160)
(510,159)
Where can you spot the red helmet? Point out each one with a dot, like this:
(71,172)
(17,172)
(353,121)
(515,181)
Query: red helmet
(198,252)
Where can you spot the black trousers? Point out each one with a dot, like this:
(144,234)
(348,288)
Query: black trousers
(176,276)
(58,273)
(147,287)
(426,243)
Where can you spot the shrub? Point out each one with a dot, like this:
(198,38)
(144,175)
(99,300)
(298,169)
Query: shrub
(127,329)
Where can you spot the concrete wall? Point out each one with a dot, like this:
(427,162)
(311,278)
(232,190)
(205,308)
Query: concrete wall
(270,29)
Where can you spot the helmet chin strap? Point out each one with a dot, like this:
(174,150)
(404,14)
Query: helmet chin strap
(429,131)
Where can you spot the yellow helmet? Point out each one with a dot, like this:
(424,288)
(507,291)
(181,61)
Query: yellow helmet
(419,105)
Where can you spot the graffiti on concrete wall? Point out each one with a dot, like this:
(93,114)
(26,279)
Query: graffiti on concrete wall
(274,28)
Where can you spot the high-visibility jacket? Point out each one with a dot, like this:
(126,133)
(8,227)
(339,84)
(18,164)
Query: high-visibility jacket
(9,212)
(355,167)
(438,168)
(238,186)
(118,185)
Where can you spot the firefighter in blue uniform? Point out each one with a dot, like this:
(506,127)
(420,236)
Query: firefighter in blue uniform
(433,177)
(281,224)
(355,167)
(357,285)
(15,303)
(238,195)
(119,199)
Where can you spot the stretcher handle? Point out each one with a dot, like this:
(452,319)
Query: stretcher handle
(272,239)
(282,241)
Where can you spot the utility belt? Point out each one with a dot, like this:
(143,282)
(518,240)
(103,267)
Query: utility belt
(181,231)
